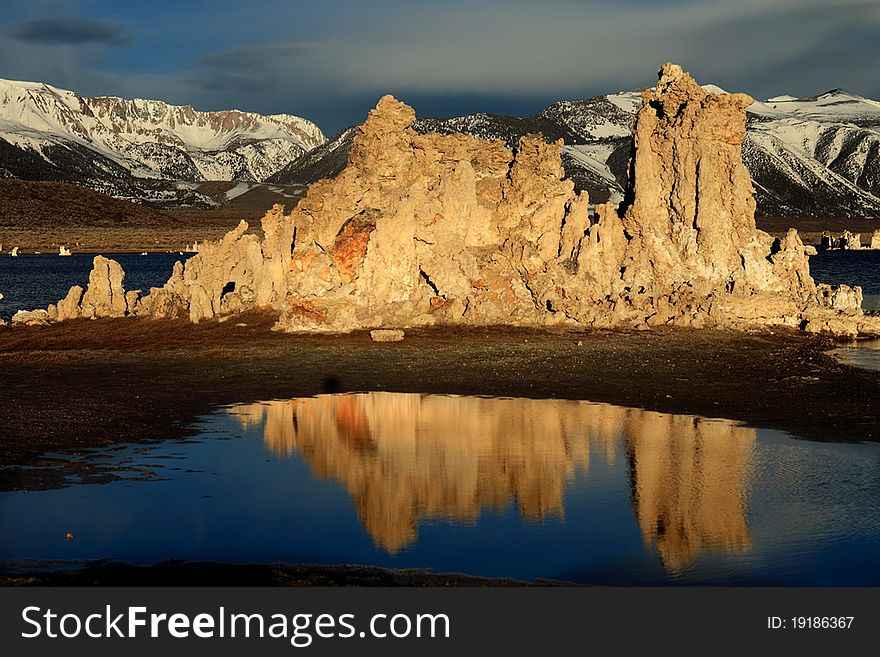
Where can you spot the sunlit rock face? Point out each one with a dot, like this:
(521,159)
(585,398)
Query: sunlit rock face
(422,229)
(407,459)
(694,254)
(105,295)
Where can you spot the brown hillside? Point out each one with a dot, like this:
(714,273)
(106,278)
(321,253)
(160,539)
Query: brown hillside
(61,206)
(41,215)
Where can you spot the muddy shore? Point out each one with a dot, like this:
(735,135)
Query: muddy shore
(81,384)
(183,573)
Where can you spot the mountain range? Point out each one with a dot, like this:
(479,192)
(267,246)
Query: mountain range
(137,148)
(809,157)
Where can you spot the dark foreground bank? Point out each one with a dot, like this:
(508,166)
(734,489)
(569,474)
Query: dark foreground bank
(83,384)
(183,573)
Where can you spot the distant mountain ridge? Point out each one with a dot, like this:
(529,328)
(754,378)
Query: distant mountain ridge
(808,157)
(817,156)
(110,143)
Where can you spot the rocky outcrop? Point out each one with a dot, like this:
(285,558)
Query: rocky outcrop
(422,229)
(846,241)
(840,297)
(240,271)
(69,306)
(432,228)
(105,295)
(31,318)
(387,335)
(875,239)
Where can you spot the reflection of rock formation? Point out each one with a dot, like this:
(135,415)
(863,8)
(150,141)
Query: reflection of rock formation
(406,458)
(689,479)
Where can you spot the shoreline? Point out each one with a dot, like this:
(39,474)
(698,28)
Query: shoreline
(210,573)
(150,380)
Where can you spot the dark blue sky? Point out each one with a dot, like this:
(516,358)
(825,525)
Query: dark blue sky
(331,60)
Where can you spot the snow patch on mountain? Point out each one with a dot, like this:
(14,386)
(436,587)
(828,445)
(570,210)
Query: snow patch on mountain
(150,138)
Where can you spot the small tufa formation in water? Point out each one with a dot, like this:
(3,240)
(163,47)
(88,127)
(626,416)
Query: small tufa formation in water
(875,240)
(451,229)
(105,296)
(64,251)
(846,241)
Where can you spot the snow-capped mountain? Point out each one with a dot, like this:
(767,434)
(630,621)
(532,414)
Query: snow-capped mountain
(809,157)
(596,133)
(817,156)
(111,142)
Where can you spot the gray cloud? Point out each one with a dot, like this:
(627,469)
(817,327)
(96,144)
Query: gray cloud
(56,31)
(458,57)
(330,62)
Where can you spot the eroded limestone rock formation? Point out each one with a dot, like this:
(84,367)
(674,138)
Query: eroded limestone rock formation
(420,229)
(240,271)
(424,229)
(31,318)
(105,295)
(875,239)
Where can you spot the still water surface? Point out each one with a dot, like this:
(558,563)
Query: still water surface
(860,268)
(522,488)
(855,268)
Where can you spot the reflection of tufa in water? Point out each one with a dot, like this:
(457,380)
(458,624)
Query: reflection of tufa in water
(689,480)
(407,457)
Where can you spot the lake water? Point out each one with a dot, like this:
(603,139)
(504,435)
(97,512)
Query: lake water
(861,354)
(32,281)
(853,268)
(523,488)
